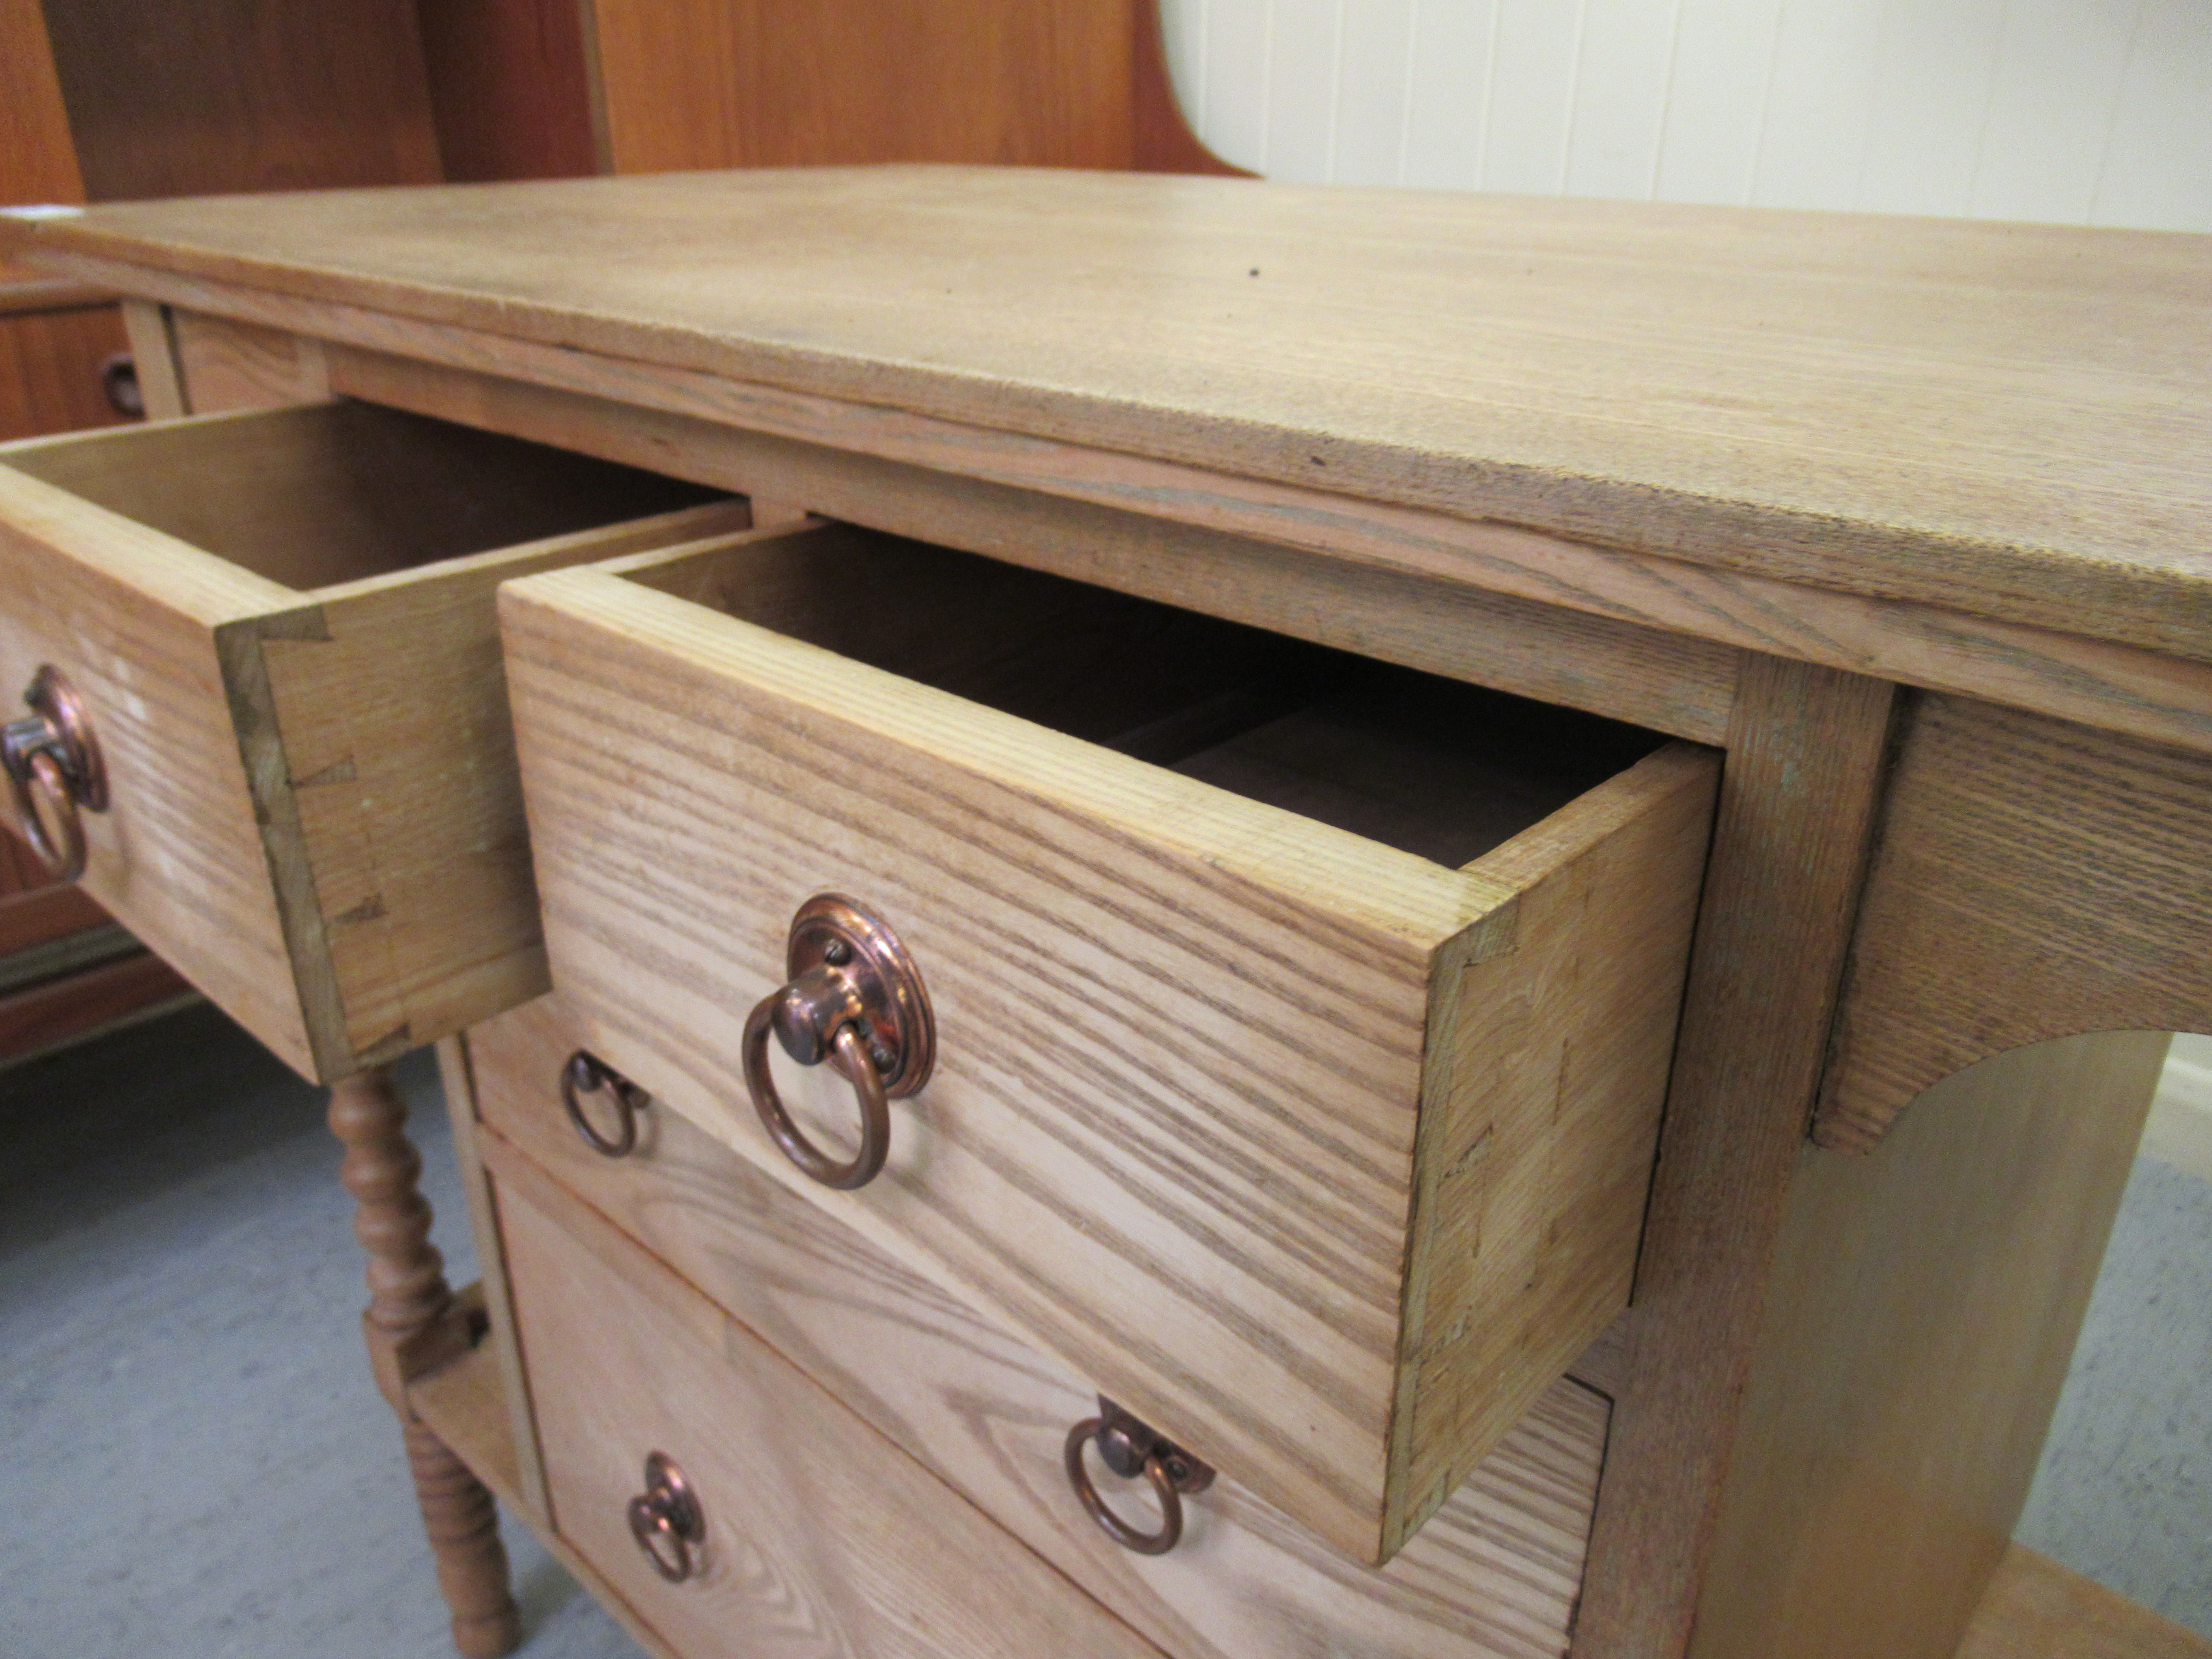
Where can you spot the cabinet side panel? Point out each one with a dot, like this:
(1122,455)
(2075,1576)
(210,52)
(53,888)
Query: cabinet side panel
(1924,1305)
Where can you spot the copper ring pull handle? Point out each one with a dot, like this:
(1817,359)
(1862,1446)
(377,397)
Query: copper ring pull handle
(1130,1447)
(855,999)
(665,1519)
(53,766)
(586,1075)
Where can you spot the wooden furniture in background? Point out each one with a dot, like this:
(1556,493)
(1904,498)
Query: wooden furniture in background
(679,84)
(1869,549)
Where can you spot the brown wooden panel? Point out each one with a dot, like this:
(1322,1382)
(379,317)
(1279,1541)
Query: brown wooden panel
(226,366)
(509,88)
(1857,429)
(224,95)
(718,83)
(1496,1034)
(50,363)
(42,913)
(38,161)
(43,1015)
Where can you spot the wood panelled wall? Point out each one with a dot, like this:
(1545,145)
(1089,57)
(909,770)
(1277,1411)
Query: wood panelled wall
(2090,111)
(710,83)
(173,99)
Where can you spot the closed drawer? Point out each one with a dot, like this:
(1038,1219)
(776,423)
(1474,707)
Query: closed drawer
(815,1534)
(1495,1573)
(1301,1025)
(279,628)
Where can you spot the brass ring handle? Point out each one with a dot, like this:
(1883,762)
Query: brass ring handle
(65,860)
(586,1075)
(54,768)
(851,1060)
(1129,1448)
(665,1519)
(855,999)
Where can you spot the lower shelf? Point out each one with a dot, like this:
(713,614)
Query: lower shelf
(462,1402)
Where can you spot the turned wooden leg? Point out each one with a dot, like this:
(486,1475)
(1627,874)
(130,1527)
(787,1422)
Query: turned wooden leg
(412,1323)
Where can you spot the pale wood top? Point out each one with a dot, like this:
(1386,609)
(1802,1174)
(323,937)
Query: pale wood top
(2013,420)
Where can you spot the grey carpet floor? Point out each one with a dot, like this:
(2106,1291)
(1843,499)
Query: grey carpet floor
(193,1462)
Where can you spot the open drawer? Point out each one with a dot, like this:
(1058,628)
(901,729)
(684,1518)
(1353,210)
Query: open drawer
(278,742)
(1300,1024)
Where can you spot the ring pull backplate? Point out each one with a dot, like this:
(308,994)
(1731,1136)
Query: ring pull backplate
(853,998)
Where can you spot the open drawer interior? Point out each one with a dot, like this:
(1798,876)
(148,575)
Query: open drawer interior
(323,495)
(1434,767)
(278,630)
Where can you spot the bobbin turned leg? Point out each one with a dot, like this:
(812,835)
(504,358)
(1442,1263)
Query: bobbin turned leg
(412,1324)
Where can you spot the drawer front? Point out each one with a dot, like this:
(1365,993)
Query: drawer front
(1324,1157)
(280,627)
(819,1537)
(1494,1573)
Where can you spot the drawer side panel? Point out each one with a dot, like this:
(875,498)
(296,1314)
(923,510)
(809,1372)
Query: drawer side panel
(399,757)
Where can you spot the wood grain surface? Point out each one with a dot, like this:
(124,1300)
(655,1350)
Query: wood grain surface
(2001,420)
(822,1537)
(1051,509)
(519,1478)
(1920,1320)
(2035,880)
(226,366)
(1798,809)
(1635,627)
(1496,1572)
(510,88)
(1201,1054)
(465,1404)
(284,628)
(153,358)
(130,616)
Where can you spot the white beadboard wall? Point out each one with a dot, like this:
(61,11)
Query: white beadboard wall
(2081,111)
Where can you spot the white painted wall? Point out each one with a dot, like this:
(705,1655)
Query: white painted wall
(2093,112)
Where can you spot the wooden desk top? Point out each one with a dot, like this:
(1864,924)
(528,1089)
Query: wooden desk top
(2013,421)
